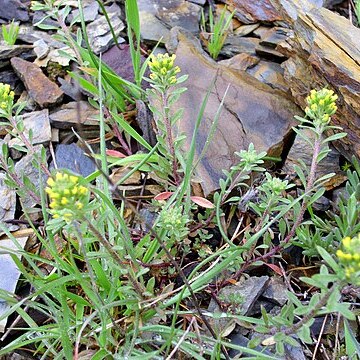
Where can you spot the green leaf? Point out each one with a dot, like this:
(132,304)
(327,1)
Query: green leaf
(131,131)
(335,137)
(351,343)
(328,258)
(304,334)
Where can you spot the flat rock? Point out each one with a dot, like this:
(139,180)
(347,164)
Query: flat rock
(13,9)
(25,167)
(41,17)
(254,11)
(56,56)
(238,44)
(10,273)
(236,338)
(301,150)
(9,77)
(276,291)
(90,12)
(198,2)
(270,53)
(38,122)
(68,116)
(100,36)
(245,293)
(261,31)
(244,30)
(253,112)
(248,291)
(274,36)
(270,73)
(44,92)
(9,51)
(119,59)
(72,157)
(41,49)
(7,200)
(240,62)
(157,17)
(324,51)
(28,34)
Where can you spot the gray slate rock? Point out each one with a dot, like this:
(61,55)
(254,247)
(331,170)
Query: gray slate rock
(238,44)
(198,2)
(302,150)
(41,49)
(100,36)
(9,77)
(274,36)
(276,291)
(90,12)
(7,200)
(10,273)
(247,293)
(13,9)
(157,17)
(28,34)
(38,122)
(25,168)
(41,16)
(72,157)
(243,296)
(244,30)
(9,51)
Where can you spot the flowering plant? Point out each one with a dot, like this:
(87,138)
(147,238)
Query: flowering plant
(321,106)
(6,100)
(67,196)
(349,258)
(163,71)
(163,96)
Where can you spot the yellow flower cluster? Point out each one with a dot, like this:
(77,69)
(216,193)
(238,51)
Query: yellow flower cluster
(163,71)
(349,257)
(6,97)
(321,105)
(66,195)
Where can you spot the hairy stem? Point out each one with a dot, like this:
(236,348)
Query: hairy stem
(300,216)
(169,135)
(311,314)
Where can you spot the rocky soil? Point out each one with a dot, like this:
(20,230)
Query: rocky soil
(276,52)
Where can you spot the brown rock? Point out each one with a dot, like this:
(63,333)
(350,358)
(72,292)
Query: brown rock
(253,112)
(73,113)
(270,73)
(244,30)
(269,53)
(237,44)
(253,11)
(241,61)
(274,36)
(325,51)
(44,92)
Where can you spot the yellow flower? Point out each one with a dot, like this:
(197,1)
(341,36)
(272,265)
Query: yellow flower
(6,100)
(163,71)
(349,258)
(67,196)
(321,105)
